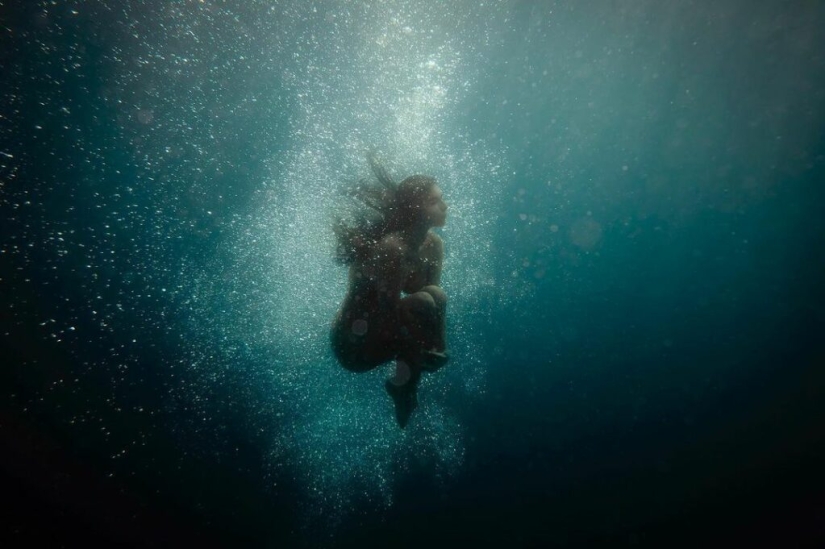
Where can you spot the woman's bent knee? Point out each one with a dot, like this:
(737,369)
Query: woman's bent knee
(418,303)
(438,295)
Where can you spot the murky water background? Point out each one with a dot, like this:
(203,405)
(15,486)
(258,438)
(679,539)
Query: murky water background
(633,259)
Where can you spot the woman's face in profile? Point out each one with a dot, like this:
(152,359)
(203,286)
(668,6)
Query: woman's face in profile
(435,209)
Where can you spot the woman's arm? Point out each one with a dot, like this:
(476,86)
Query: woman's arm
(385,270)
(434,260)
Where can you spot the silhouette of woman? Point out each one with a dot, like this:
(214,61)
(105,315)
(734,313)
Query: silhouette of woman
(394,308)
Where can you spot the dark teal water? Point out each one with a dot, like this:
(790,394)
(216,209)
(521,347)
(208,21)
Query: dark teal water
(634,259)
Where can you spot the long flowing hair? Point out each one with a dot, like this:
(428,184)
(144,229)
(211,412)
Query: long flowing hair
(384,207)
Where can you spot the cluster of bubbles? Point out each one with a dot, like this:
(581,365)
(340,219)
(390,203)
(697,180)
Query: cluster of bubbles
(183,272)
(385,78)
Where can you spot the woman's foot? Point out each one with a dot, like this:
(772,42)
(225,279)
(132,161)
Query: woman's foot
(433,360)
(405,399)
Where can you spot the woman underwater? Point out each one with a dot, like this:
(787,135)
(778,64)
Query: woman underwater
(394,308)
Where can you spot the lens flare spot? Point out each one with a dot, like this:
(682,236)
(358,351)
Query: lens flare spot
(359,327)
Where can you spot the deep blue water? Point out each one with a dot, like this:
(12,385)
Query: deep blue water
(634,259)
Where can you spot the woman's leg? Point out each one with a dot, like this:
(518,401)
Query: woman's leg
(439,325)
(421,346)
(362,341)
(422,314)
